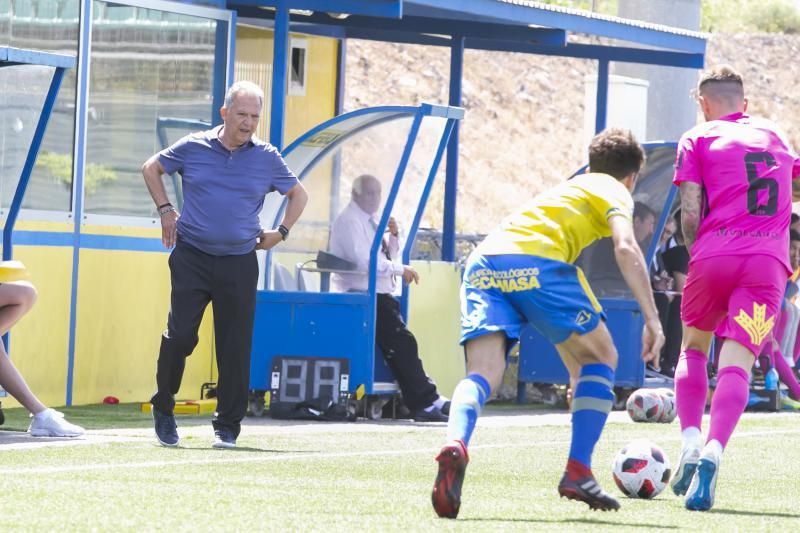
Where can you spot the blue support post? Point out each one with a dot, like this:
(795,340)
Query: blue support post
(423,201)
(219,82)
(601,107)
(336,171)
(280,52)
(78,166)
(451,173)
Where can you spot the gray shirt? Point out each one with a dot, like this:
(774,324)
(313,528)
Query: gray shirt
(223,190)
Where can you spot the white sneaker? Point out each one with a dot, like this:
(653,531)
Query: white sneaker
(685,471)
(50,423)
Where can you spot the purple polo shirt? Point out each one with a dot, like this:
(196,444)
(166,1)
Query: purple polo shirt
(223,190)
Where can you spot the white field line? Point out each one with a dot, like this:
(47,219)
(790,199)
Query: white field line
(310,455)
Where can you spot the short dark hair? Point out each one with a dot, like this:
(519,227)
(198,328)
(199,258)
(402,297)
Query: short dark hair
(722,74)
(641,211)
(794,235)
(616,152)
(795,218)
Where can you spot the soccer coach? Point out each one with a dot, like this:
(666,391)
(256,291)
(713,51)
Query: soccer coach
(225,174)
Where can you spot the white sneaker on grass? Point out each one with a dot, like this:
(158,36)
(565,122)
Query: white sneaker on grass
(685,471)
(51,423)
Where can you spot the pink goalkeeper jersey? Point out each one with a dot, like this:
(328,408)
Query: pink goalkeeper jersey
(745,168)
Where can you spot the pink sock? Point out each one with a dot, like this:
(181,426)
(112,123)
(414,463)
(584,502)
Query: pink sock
(730,399)
(796,352)
(691,388)
(786,375)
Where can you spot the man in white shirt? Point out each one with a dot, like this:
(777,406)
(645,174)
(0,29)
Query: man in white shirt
(351,239)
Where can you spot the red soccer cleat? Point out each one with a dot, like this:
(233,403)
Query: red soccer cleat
(446,495)
(578,483)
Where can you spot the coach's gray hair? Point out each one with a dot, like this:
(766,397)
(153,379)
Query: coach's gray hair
(247,87)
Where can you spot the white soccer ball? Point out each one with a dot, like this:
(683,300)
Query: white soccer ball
(641,469)
(670,411)
(645,405)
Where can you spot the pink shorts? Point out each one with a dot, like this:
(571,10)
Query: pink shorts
(739,297)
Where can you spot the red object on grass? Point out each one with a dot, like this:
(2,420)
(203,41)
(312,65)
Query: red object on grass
(111,400)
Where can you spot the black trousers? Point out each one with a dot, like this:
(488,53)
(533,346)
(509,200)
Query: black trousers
(400,352)
(229,283)
(674,338)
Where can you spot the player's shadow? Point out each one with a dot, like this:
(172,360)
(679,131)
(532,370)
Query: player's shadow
(754,513)
(569,521)
(237,449)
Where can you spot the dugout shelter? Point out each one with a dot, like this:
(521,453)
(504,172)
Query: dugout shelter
(87,229)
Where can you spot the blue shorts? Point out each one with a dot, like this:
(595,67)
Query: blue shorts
(504,292)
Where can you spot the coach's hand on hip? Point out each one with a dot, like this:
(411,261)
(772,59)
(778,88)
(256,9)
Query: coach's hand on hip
(268,239)
(169,228)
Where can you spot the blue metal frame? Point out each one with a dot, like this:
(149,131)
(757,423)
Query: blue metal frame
(451,169)
(511,11)
(372,8)
(280,65)
(412,231)
(10,56)
(601,107)
(30,160)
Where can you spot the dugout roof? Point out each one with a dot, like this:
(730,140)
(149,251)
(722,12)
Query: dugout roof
(522,26)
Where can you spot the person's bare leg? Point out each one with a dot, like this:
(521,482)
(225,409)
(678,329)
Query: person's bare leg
(13,383)
(16,299)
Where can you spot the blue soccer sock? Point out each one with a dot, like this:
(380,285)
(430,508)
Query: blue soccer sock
(468,399)
(591,402)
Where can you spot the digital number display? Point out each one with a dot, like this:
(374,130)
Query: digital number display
(300,379)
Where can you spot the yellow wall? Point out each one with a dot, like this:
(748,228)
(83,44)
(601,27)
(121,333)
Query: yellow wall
(39,342)
(434,316)
(123,301)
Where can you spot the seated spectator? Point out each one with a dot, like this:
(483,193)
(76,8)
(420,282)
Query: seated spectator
(16,299)
(602,271)
(352,234)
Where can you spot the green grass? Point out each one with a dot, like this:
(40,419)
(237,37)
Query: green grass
(371,477)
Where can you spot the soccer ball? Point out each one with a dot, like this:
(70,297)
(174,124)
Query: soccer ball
(670,412)
(645,405)
(641,469)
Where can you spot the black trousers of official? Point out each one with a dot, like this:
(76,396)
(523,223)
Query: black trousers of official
(401,353)
(229,283)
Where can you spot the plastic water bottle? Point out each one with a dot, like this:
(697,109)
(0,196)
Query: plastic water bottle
(771,388)
(771,379)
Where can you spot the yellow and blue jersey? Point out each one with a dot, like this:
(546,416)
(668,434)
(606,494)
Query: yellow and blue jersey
(523,272)
(559,223)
